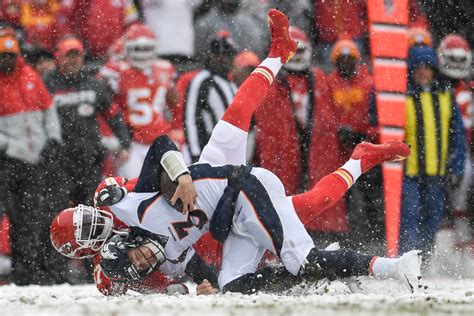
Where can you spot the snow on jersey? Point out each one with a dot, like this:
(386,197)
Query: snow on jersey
(151,211)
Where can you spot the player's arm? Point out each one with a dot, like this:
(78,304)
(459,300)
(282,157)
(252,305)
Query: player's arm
(104,284)
(163,155)
(200,272)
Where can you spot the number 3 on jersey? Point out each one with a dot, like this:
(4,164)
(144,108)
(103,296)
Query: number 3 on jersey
(141,109)
(196,218)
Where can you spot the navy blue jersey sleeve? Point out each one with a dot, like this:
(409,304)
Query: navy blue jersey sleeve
(149,179)
(198,271)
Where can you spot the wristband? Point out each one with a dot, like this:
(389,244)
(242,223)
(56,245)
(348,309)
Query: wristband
(174,165)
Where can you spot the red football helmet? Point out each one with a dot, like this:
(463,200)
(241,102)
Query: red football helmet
(141,46)
(79,232)
(454,55)
(303,58)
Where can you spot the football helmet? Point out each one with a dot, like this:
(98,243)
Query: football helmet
(79,232)
(133,255)
(455,57)
(303,58)
(141,46)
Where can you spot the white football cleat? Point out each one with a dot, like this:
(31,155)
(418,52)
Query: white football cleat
(408,270)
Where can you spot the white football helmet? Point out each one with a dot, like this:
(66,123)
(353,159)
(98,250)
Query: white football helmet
(303,58)
(141,46)
(455,57)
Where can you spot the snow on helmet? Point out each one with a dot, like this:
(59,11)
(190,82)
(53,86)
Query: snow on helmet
(79,232)
(455,57)
(303,58)
(141,46)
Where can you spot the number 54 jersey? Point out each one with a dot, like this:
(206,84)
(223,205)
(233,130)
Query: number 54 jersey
(151,211)
(141,96)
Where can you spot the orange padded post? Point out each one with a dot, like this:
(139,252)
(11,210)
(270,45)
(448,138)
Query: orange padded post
(387,31)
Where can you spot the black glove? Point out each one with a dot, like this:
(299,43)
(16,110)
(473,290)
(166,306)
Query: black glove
(349,138)
(51,153)
(109,195)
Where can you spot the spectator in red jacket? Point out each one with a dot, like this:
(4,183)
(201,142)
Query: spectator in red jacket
(316,131)
(38,18)
(351,97)
(350,88)
(341,19)
(98,22)
(29,137)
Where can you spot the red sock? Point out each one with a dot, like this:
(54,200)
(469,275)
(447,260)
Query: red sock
(248,98)
(327,192)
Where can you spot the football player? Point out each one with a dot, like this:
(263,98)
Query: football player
(142,87)
(454,63)
(245,208)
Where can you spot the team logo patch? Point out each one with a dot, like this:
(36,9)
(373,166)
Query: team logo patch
(85,109)
(66,249)
(107,253)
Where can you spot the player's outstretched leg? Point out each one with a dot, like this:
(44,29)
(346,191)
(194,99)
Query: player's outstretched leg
(227,144)
(332,188)
(254,90)
(345,263)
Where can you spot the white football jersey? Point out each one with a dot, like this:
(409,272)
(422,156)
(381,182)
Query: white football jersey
(151,211)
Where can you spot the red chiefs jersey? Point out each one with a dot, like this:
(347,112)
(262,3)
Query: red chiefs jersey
(141,96)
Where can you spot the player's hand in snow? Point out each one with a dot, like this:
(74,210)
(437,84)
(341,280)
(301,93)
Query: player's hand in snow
(205,288)
(185,192)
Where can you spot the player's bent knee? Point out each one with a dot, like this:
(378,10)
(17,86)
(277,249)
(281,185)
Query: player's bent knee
(227,135)
(212,155)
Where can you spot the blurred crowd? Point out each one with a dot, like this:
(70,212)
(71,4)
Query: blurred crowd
(87,85)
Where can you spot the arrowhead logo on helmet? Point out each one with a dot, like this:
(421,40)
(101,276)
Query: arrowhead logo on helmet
(80,232)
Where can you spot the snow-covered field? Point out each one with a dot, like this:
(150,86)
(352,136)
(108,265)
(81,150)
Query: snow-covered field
(454,297)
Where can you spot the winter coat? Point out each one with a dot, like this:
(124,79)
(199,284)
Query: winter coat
(27,117)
